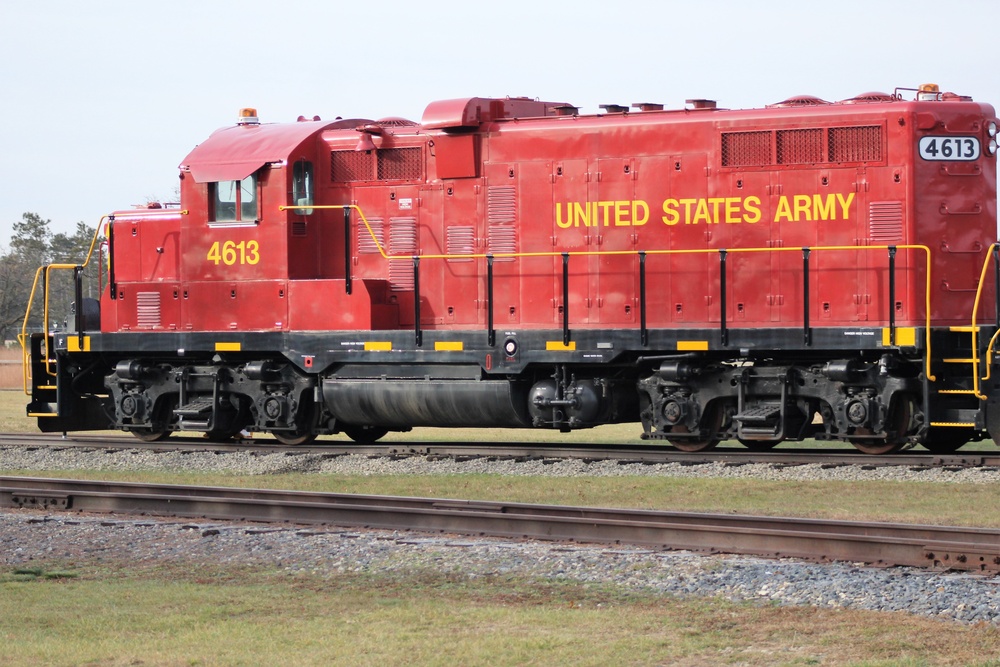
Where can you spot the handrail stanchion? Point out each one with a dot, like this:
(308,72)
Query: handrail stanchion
(723,328)
(892,295)
(347,249)
(492,336)
(419,336)
(643,331)
(806,329)
(565,263)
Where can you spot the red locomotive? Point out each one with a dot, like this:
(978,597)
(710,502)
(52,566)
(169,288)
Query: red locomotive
(806,270)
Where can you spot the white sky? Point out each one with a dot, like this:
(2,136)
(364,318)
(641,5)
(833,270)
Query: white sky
(103,99)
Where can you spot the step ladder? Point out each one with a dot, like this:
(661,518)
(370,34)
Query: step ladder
(962,405)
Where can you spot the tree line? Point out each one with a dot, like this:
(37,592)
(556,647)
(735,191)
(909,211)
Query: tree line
(33,245)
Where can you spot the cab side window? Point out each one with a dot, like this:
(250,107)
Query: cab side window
(302,186)
(234,201)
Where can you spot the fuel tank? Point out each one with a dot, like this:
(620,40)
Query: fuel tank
(407,402)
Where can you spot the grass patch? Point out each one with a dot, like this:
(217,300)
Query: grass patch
(222,617)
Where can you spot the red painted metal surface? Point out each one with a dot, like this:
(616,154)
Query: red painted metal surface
(515,178)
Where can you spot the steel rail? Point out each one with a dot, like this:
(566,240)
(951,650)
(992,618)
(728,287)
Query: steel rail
(969,549)
(624,453)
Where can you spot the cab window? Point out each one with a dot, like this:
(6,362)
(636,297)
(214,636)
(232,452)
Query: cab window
(234,201)
(302,186)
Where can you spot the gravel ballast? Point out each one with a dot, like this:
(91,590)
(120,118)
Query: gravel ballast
(33,536)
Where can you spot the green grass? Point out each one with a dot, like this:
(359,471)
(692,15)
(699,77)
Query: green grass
(251,617)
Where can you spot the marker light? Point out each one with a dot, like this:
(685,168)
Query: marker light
(991,128)
(510,347)
(992,147)
(248,116)
(929,91)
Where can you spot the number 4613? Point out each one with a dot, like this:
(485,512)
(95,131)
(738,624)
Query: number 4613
(231,252)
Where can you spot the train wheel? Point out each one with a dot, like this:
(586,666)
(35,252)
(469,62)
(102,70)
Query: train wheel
(293,439)
(304,432)
(712,420)
(877,447)
(151,435)
(880,447)
(945,440)
(364,435)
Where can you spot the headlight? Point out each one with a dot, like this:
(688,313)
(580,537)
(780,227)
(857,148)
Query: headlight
(992,147)
(991,128)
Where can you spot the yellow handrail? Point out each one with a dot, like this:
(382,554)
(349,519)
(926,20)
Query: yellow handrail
(693,251)
(975,330)
(23,336)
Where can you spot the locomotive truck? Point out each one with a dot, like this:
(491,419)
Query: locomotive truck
(810,269)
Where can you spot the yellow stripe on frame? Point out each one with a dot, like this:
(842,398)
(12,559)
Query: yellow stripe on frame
(378,346)
(904,336)
(449,346)
(228,347)
(73,344)
(559,346)
(692,345)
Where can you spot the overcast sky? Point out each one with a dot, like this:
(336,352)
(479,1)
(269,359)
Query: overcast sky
(103,99)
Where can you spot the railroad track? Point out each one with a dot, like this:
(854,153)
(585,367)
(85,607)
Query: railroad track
(646,453)
(954,548)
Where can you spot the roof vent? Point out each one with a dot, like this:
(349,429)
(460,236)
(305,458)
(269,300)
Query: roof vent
(647,106)
(566,110)
(799,101)
(393,121)
(614,108)
(869,98)
(701,104)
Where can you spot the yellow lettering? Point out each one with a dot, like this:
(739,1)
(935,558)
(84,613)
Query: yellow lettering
(751,206)
(231,253)
(605,215)
(581,213)
(637,220)
(670,214)
(803,207)
(701,212)
(686,203)
(621,214)
(823,207)
(732,210)
(784,211)
(716,202)
(559,219)
(845,204)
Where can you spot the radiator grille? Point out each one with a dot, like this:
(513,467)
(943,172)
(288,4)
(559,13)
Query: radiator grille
(799,146)
(460,240)
(746,149)
(351,166)
(402,241)
(366,244)
(399,164)
(501,204)
(856,144)
(147,309)
(502,239)
(862,143)
(885,221)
